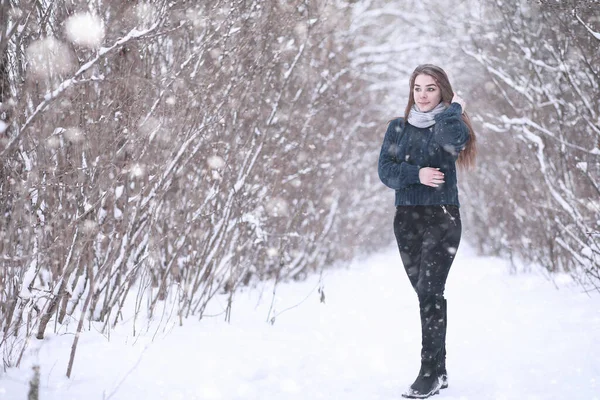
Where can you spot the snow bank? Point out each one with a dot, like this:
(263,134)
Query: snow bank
(509,337)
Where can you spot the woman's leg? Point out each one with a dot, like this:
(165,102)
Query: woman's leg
(440,243)
(408,229)
(441,359)
(441,237)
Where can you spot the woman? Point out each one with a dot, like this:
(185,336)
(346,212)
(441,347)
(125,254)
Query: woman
(418,160)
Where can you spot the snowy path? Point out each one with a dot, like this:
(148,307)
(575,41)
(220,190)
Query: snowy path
(509,337)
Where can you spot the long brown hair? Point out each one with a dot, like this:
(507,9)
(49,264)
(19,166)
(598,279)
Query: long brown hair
(466,158)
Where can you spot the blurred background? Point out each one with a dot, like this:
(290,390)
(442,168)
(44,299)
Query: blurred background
(176,150)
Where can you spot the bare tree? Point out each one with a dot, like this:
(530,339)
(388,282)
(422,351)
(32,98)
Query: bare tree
(178,153)
(538,182)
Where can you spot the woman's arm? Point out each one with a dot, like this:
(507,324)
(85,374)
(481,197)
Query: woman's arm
(393,173)
(450,131)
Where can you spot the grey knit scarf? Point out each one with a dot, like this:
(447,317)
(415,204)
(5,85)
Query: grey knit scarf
(424,119)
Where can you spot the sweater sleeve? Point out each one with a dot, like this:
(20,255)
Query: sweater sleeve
(395,174)
(450,131)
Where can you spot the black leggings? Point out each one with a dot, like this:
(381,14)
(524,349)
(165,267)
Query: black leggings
(428,238)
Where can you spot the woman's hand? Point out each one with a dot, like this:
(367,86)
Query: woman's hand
(431,176)
(459,100)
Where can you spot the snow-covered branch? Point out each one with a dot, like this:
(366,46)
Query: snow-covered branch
(68,83)
(540,110)
(594,34)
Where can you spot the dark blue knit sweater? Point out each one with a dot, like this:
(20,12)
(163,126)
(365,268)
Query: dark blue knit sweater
(406,149)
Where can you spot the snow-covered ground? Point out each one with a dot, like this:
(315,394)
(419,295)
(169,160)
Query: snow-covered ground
(509,337)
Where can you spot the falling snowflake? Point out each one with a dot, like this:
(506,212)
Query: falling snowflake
(74,135)
(215,162)
(137,170)
(48,57)
(53,142)
(277,207)
(196,17)
(85,30)
(89,226)
(145,15)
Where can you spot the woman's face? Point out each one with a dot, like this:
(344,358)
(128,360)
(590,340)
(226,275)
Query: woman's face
(426,92)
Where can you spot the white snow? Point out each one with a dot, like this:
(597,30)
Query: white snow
(255,222)
(3,126)
(137,170)
(28,277)
(197,17)
(145,14)
(74,135)
(594,34)
(53,142)
(85,29)
(47,57)
(89,226)
(583,166)
(119,191)
(215,162)
(215,54)
(509,337)
(277,207)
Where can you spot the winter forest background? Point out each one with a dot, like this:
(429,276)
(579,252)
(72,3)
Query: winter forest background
(164,152)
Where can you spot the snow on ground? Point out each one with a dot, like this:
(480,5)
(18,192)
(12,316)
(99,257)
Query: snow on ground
(509,337)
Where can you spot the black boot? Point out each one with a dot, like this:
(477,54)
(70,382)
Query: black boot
(429,382)
(441,361)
